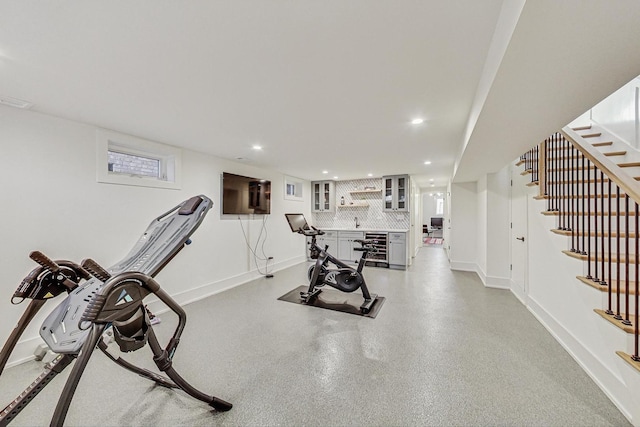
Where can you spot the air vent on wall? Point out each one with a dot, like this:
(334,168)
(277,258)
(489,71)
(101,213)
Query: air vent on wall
(15,102)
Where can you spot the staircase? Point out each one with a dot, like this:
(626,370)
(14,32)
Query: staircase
(589,181)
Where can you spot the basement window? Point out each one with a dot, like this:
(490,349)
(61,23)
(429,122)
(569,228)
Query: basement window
(127,160)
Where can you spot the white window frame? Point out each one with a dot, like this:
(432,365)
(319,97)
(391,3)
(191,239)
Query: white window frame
(170,160)
(296,184)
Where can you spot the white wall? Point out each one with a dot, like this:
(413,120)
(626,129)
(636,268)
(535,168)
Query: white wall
(50,201)
(564,305)
(498,230)
(481,228)
(464,223)
(618,113)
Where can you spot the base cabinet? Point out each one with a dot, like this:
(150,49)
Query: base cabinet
(346,243)
(398,250)
(391,247)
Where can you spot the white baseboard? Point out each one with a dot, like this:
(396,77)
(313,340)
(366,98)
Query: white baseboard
(487,281)
(597,371)
(24,349)
(498,282)
(463,266)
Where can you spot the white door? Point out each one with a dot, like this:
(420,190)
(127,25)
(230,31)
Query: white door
(519,241)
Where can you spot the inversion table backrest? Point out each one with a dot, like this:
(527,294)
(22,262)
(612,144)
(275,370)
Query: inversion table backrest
(163,239)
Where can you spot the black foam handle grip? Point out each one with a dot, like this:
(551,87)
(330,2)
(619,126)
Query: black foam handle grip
(96,270)
(44,261)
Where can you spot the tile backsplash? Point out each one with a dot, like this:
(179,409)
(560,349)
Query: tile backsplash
(370,216)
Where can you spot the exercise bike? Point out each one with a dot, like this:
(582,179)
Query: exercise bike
(344,278)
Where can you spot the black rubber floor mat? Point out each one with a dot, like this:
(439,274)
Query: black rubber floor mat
(335,300)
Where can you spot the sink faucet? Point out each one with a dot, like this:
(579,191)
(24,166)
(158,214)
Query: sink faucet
(357,223)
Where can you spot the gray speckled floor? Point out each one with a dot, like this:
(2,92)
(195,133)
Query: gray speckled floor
(443,350)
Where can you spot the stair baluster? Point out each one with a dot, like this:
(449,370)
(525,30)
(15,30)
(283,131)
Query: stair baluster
(595,225)
(604,278)
(587,200)
(618,233)
(636,355)
(609,262)
(547,158)
(574,185)
(583,252)
(626,320)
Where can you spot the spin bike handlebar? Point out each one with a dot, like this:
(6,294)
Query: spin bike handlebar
(312,232)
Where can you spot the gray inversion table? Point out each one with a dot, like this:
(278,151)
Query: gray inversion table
(98,299)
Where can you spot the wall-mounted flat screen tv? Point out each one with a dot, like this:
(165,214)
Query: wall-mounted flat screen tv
(243,195)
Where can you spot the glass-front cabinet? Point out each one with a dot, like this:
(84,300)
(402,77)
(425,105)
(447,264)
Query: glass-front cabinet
(396,193)
(323,196)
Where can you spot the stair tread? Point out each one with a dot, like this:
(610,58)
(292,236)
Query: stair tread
(581,128)
(627,328)
(613,283)
(602,144)
(599,257)
(606,153)
(593,144)
(631,235)
(591,196)
(591,166)
(627,358)
(599,213)
(580,181)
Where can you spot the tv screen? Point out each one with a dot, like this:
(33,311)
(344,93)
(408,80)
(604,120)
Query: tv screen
(243,195)
(436,222)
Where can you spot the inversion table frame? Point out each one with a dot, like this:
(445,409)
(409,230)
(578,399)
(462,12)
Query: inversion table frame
(101,298)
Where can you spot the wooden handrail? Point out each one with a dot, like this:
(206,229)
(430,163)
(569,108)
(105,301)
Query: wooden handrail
(612,170)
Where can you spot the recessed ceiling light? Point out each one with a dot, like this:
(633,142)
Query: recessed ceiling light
(257,147)
(417,121)
(427,162)
(431,180)
(433,185)
(335,177)
(369,174)
(325,172)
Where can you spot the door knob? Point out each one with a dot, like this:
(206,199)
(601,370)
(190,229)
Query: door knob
(520,238)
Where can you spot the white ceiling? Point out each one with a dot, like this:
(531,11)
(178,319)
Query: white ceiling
(321,85)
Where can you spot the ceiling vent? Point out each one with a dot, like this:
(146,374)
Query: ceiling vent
(15,102)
